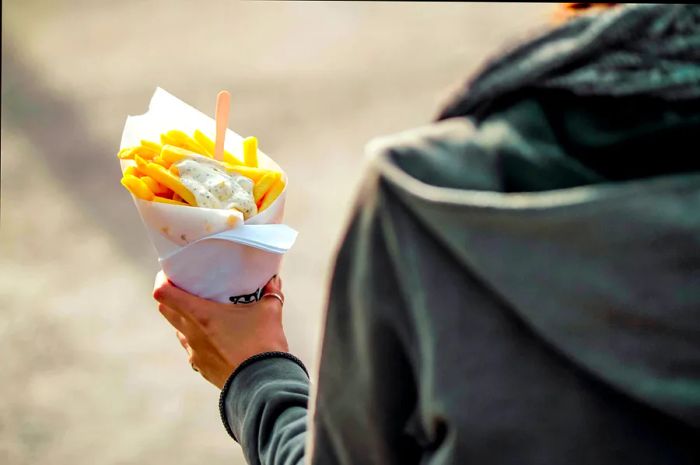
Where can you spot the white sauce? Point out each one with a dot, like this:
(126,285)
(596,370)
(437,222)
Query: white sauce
(213,187)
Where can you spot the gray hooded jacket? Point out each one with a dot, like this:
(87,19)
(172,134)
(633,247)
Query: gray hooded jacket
(520,283)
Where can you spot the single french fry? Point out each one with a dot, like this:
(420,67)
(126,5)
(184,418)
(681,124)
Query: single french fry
(228,158)
(177,198)
(146,152)
(177,136)
(152,185)
(169,180)
(263,185)
(173,169)
(159,199)
(137,187)
(132,170)
(209,145)
(155,187)
(173,154)
(165,139)
(125,153)
(253,173)
(139,172)
(140,162)
(272,194)
(130,152)
(154,146)
(186,142)
(250,151)
(204,141)
(161,162)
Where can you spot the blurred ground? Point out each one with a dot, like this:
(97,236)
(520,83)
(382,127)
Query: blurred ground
(91,374)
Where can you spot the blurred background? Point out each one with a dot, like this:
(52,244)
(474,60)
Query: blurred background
(91,373)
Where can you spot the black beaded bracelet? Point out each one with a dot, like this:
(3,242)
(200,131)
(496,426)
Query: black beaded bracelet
(247,362)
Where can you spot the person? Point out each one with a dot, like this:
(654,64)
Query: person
(520,280)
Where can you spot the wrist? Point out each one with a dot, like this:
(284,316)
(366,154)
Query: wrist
(251,361)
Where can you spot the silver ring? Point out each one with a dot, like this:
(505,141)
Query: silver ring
(275,295)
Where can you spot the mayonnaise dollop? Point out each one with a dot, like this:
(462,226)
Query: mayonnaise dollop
(213,187)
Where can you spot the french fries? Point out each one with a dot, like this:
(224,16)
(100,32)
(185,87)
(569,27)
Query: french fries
(153,174)
(209,144)
(272,194)
(137,187)
(183,140)
(161,162)
(133,171)
(169,180)
(264,185)
(140,163)
(253,173)
(174,154)
(155,187)
(146,152)
(250,151)
(155,146)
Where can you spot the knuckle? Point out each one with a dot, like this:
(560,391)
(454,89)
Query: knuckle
(275,300)
(272,306)
(204,321)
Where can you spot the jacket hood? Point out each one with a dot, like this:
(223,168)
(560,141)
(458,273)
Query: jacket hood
(634,50)
(605,269)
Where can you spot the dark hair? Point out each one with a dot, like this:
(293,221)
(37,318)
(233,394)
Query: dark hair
(567,11)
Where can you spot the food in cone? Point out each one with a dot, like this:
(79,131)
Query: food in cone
(181,171)
(212,205)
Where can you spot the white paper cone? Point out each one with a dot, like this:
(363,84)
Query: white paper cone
(208,252)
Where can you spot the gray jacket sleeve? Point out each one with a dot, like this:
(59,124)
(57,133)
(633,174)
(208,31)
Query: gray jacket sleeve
(365,395)
(264,407)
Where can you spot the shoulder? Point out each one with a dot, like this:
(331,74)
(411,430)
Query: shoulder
(449,154)
(420,140)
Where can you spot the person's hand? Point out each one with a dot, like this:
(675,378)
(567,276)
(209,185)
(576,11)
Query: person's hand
(219,337)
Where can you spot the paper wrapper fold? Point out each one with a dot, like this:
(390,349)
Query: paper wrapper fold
(209,252)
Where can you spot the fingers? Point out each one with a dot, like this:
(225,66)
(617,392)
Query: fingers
(190,353)
(167,293)
(195,309)
(188,333)
(173,317)
(183,342)
(187,305)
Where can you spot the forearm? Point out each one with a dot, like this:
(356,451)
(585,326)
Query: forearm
(264,408)
(366,386)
